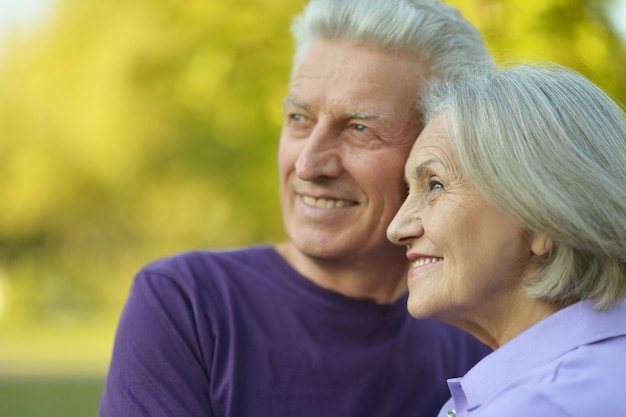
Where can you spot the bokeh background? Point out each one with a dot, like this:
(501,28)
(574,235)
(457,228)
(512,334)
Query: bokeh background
(130,130)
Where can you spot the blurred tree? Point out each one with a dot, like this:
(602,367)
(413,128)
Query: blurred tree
(131,130)
(134,129)
(575,33)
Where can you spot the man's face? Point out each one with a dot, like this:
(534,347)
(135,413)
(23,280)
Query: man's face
(350,120)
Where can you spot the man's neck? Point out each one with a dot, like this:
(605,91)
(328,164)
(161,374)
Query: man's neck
(380,278)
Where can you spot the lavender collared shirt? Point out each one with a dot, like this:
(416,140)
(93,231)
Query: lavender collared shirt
(572,364)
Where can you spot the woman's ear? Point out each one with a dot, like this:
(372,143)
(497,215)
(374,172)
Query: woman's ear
(541,244)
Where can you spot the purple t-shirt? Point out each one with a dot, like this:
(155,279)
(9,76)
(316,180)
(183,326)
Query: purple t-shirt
(571,364)
(241,333)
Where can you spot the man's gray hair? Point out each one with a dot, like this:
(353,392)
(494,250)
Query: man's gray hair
(443,41)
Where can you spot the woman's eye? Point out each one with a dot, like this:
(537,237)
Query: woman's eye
(434,185)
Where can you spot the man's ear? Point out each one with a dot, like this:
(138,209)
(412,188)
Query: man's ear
(541,244)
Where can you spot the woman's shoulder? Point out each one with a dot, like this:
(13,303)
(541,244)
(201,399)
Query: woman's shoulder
(588,380)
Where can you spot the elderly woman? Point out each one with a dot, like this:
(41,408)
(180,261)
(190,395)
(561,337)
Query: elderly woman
(515,226)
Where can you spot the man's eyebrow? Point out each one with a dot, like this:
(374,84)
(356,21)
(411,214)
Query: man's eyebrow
(346,115)
(364,115)
(422,168)
(298,103)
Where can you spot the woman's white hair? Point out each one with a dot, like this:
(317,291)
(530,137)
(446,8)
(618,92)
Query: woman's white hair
(443,41)
(548,147)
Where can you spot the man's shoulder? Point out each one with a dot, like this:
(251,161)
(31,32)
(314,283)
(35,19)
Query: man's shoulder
(202,260)
(208,267)
(205,276)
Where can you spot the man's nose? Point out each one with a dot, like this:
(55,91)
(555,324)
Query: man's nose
(321,155)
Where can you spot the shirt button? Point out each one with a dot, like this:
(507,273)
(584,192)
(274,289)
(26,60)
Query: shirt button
(452,413)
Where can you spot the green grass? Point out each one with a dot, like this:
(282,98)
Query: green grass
(50,396)
(53,369)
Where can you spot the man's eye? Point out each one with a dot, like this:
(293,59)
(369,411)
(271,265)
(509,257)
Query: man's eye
(360,128)
(296,117)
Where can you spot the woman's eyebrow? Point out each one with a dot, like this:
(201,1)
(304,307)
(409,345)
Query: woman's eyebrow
(422,168)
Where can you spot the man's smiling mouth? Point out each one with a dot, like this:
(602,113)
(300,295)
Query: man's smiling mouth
(326,203)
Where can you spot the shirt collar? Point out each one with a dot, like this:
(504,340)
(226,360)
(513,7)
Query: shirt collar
(563,331)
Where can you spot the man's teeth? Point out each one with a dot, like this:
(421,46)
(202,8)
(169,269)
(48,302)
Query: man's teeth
(423,261)
(324,203)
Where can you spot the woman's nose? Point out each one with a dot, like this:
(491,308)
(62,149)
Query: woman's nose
(406,226)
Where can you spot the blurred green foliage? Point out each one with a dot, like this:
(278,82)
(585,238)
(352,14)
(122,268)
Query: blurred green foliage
(575,33)
(130,130)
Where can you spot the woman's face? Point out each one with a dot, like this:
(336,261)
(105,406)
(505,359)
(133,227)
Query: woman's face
(466,256)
